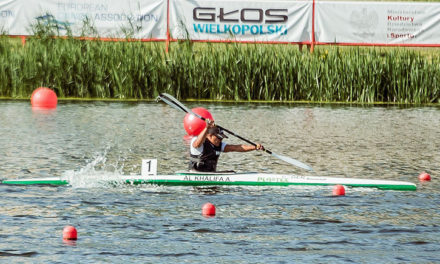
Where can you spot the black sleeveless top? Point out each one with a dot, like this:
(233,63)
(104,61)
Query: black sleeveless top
(207,161)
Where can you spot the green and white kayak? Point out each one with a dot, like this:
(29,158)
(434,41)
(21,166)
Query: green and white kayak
(232,178)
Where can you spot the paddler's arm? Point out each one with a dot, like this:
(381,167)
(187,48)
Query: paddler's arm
(202,136)
(242,148)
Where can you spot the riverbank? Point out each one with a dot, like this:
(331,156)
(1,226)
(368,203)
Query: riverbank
(226,72)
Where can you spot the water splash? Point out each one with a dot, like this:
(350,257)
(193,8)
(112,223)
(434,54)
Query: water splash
(92,178)
(96,173)
(104,172)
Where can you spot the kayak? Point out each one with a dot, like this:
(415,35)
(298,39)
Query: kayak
(232,178)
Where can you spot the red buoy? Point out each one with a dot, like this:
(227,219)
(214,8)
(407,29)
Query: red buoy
(424,176)
(194,125)
(208,209)
(69,233)
(44,97)
(338,190)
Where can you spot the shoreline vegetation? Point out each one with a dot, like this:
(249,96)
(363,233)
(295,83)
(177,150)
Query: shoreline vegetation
(228,72)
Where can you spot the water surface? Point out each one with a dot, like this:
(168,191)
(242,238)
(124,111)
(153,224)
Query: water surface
(150,224)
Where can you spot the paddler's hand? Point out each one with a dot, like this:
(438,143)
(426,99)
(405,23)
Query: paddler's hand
(259,147)
(210,123)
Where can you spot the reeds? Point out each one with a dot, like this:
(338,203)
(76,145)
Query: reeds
(132,69)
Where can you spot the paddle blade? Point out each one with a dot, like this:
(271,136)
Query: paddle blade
(293,162)
(171,104)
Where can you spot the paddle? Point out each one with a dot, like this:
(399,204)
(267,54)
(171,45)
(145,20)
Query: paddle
(173,102)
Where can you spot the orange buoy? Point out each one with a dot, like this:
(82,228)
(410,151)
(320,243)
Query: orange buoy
(338,190)
(208,209)
(70,233)
(424,176)
(44,97)
(194,125)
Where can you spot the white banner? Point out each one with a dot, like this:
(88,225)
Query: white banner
(129,18)
(214,20)
(9,14)
(378,23)
(358,23)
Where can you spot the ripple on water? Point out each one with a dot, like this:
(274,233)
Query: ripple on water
(90,142)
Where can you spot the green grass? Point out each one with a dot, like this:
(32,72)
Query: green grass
(135,70)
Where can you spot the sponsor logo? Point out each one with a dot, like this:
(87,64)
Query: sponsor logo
(364,22)
(403,24)
(272,179)
(50,20)
(100,12)
(245,15)
(245,21)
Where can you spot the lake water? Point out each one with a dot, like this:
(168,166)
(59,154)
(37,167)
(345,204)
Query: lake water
(149,224)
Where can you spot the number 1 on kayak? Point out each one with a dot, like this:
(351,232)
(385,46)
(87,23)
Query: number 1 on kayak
(149,167)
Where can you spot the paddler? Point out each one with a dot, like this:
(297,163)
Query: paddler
(205,149)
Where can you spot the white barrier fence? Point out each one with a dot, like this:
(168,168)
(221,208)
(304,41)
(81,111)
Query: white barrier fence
(278,21)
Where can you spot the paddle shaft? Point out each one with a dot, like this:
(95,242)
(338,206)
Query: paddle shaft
(237,136)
